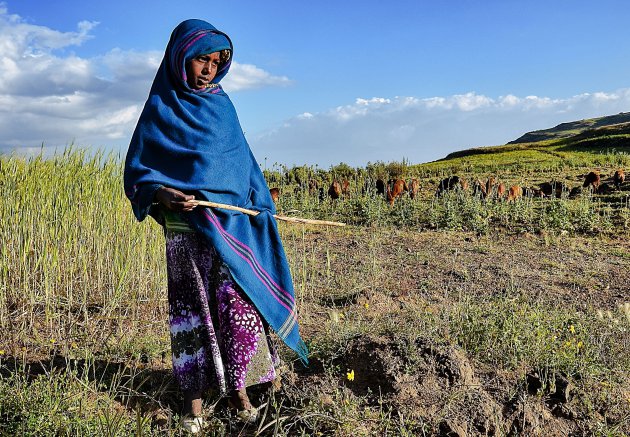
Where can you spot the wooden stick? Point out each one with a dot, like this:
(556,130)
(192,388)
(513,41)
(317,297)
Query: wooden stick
(278,217)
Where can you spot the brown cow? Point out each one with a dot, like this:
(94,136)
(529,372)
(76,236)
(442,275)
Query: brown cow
(334,191)
(275,194)
(490,183)
(501,191)
(414,186)
(514,193)
(313,187)
(398,188)
(618,178)
(593,180)
(345,187)
(451,183)
(479,189)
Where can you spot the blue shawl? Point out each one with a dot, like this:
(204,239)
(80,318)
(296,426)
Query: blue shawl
(191,140)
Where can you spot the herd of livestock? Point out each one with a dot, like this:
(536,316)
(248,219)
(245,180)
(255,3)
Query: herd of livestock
(490,189)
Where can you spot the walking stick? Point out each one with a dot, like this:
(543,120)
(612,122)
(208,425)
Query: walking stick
(278,217)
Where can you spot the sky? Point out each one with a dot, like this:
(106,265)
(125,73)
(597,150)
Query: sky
(323,82)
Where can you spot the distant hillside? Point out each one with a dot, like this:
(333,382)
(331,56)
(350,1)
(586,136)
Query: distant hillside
(596,134)
(565,130)
(597,142)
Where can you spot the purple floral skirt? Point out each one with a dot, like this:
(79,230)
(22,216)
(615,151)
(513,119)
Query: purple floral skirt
(218,339)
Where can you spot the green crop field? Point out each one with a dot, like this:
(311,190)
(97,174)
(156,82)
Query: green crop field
(439,315)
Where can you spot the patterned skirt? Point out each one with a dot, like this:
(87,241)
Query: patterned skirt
(218,339)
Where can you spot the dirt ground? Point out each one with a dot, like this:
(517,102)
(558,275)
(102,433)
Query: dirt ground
(428,379)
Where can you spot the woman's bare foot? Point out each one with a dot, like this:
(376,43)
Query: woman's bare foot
(240,400)
(244,410)
(192,403)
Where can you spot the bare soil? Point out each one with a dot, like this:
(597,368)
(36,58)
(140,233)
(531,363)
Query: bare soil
(444,389)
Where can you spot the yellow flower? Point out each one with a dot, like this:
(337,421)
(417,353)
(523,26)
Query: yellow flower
(567,343)
(1,352)
(52,341)
(367,305)
(350,375)
(580,344)
(572,329)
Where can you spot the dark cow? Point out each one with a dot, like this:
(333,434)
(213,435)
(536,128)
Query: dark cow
(515,192)
(395,188)
(532,192)
(552,188)
(605,188)
(575,192)
(275,194)
(592,180)
(451,183)
(334,191)
(414,186)
(380,186)
(618,178)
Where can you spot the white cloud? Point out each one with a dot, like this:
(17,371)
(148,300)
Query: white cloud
(52,96)
(421,130)
(246,76)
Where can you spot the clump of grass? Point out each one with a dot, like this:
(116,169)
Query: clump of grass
(63,403)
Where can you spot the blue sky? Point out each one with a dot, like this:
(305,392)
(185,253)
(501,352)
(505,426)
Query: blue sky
(321,82)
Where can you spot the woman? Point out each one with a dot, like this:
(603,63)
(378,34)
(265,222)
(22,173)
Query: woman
(228,278)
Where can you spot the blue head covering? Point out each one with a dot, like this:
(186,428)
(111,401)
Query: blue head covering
(192,140)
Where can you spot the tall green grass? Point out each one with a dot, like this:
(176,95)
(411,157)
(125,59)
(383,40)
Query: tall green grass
(73,260)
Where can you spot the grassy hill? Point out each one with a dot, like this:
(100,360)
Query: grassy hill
(573,128)
(601,144)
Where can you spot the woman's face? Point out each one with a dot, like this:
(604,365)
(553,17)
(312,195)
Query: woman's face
(201,70)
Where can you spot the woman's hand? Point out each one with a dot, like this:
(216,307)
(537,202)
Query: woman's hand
(175,200)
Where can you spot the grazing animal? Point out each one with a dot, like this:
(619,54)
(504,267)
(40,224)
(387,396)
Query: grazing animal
(275,194)
(552,188)
(575,191)
(463,183)
(380,187)
(414,186)
(532,192)
(313,187)
(593,180)
(334,191)
(604,188)
(501,191)
(320,194)
(490,183)
(514,193)
(479,189)
(451,183)
(618,178)
(395,188)
(345,187)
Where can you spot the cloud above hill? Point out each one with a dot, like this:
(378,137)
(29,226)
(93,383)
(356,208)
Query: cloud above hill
(422,129)
(50,95)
